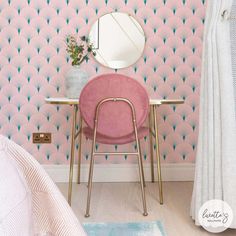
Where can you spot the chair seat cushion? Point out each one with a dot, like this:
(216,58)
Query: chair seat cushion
(142,132)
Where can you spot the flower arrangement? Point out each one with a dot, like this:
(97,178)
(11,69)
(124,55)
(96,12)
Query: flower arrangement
(79,52)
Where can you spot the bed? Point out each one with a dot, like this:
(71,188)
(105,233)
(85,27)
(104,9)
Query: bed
(30,203)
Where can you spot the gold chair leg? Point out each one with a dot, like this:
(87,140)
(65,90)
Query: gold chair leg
(80,149)
(158,157)
(151,144)
(91,172)
(90,185)
(142,182)
(72,153)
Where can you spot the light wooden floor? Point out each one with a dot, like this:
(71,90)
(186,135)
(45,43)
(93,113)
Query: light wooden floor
(121,202)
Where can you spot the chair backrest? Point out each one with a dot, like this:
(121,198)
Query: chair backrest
(115,118)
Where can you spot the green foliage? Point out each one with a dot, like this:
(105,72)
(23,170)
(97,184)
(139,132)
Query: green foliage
(79,51)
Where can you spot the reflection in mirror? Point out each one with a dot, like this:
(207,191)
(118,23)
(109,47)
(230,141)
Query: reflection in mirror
(118,40)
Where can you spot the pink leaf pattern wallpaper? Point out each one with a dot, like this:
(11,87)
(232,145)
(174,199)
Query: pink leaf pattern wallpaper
(33,63)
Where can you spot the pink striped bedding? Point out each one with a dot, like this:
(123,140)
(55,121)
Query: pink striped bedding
(30,203)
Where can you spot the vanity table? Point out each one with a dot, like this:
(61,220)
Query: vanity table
(154,104)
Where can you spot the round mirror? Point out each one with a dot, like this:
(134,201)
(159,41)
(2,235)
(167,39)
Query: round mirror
(118,40)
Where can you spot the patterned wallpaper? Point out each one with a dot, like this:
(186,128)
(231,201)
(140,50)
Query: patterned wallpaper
(33,63)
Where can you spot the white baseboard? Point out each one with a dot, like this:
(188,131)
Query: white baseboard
(122,172)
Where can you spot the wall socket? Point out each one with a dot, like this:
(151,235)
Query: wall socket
(42,137)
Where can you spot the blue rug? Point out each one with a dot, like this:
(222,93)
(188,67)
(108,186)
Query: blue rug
(154,228)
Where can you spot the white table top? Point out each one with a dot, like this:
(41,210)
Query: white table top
(74,101)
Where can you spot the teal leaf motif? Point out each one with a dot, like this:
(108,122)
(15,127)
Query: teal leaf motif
(48,156)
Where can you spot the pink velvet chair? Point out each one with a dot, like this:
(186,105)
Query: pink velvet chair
(114,107)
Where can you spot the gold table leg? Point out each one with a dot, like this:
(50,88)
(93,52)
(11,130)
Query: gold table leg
(158,155)
(151,143)
(80,149)
(72,152)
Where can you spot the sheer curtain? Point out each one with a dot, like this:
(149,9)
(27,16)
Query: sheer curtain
(215,174)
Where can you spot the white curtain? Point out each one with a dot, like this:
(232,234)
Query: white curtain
(215,176)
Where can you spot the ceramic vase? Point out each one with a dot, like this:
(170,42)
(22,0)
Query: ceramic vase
(75,80)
